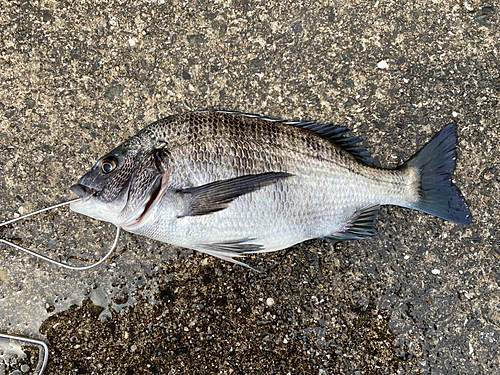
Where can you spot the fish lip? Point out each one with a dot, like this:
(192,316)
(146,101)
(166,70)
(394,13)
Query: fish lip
(154,196)
(82,191)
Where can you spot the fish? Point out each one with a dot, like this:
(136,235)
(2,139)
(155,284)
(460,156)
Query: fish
(230,184)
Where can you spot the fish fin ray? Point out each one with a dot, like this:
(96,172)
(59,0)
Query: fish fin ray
(230,250)
(360,226)
(217,196)
(333,133)
(234,248)
(336,135)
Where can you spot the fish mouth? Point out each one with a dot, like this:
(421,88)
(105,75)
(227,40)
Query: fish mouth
(82,191)
(156,191)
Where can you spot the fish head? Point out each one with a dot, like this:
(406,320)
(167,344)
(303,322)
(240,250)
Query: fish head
(121,186)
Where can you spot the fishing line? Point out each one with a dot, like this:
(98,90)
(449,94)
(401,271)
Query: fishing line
(50,260)
(39,212)
(44,359)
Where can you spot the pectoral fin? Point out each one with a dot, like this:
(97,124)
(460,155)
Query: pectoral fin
(216,196)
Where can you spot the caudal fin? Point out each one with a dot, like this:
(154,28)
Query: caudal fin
(435,164)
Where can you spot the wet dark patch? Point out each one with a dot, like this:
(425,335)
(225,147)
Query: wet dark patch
(226,313)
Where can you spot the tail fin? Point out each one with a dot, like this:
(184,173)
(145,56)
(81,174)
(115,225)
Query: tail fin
(435,164)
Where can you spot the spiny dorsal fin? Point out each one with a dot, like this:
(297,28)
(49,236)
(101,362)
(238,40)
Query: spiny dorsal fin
(360,226)
(216,196)
(334,133)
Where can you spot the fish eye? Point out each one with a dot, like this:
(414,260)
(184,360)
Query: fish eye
(108,164)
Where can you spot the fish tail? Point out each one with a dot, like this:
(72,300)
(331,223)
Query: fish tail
(436,193)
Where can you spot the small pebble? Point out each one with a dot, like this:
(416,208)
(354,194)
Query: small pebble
(435,271)
(25,368)
(487,176)
(270,301)
(383,65)
(468,6)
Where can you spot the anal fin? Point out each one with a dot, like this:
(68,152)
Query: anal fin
(360,226)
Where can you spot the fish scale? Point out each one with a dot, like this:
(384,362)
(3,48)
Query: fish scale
(230,184)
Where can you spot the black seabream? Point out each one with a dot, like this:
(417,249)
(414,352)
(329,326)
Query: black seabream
(230,184)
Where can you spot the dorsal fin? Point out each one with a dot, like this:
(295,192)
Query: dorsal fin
(335,134)
(331,132)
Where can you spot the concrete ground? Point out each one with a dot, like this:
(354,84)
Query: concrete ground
(421,297)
